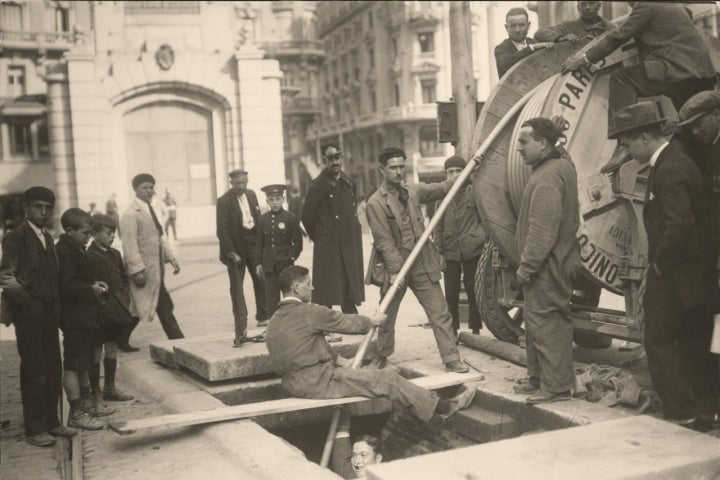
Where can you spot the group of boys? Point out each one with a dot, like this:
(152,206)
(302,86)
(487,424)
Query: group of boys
(83,292)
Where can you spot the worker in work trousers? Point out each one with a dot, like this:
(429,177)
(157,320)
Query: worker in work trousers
(302,357)
(547,224)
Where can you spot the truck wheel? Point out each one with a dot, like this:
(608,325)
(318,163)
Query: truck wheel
(587,293)
(503,323)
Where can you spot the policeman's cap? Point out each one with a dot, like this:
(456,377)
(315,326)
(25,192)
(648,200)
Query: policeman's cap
(635,117)
(698,105)
(275,189)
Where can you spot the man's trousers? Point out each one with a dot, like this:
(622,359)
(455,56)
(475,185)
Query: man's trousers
(164,312)
(677,341)
(36,330)
(432,299)
(452,291)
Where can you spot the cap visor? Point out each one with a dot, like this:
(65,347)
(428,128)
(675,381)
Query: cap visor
(691,119)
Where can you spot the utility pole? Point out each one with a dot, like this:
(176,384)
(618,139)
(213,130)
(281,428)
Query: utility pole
(463,82)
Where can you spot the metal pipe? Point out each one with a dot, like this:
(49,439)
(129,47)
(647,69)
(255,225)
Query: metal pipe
(385,302)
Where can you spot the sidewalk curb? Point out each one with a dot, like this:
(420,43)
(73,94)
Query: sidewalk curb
(255,450)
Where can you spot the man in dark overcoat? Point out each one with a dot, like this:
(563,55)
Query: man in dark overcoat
(238,214)
(330,219)
(681,272)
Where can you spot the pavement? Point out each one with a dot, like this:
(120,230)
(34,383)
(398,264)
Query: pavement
(202,306)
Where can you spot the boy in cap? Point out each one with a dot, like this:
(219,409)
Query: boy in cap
(278,245)
(79,318)
(31,301)
(107,265)
(459,236)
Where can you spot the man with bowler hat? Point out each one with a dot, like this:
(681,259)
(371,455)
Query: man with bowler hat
(31,301)
(681,272)
(238,214)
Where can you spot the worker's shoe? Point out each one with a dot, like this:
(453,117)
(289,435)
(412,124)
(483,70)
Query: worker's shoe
(82,419)
(547,397)
(460,402)
(63,431)
(41,440)
(114,394)
(378,363)
(527,386)
(456,366)
(126,347)
(95,408)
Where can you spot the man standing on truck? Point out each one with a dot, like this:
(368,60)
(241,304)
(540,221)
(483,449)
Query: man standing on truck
(549,255)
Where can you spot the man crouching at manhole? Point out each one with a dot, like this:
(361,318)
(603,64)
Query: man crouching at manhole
(301,355)
(547,224)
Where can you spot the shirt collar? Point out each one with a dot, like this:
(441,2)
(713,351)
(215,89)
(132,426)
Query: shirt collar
(520,45)
(38,231)
(291,298)
(657,153)
(716,138)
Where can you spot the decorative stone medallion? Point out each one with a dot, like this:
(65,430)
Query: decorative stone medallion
(165,57)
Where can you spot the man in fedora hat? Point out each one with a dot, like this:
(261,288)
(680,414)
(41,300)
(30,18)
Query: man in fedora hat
(680,286)
(701,115)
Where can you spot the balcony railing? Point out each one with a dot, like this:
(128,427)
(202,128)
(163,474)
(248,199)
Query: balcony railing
(301,106)
(295,47)
(26,39)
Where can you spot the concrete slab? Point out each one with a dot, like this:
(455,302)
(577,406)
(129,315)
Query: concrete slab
(484,425)
(163,351)
(639,448)
(216,360)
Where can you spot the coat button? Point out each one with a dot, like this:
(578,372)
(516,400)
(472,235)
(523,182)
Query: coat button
(336,216)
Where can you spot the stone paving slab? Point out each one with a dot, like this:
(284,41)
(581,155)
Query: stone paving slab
(639,448)
(214,360)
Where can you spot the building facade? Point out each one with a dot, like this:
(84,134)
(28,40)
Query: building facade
(387,64)
(182,90)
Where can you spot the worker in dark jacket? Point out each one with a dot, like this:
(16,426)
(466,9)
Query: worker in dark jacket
(459,237)
(675,60)
(549,256)
(518,45)
(589,25)
(701,114)
(278,244)
(330,218)
(681,273)
(301,355)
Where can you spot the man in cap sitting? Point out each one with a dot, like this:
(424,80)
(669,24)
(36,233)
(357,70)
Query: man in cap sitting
(681,275)
(31,301)
(145,252)
(278,245)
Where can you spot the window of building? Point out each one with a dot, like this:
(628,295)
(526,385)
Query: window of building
(11,16)
(396,94)
(62,20)
(20,139)
(43,139)
(345,70)
(370,19)
(393,48)
(16,80)
(427,42)
(373,101)
(428,91)
(429,146)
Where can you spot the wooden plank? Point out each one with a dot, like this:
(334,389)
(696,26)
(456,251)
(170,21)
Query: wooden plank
(249,410)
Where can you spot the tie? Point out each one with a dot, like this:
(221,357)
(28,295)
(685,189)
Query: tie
(403,195)
(651,177)
(155,219)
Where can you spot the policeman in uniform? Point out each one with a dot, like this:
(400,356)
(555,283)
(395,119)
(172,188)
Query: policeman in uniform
(279,243)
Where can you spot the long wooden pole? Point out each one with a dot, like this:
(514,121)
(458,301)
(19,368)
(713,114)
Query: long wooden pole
(463,80)
(385,302)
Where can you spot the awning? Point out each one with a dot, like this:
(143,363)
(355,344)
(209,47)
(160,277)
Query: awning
(24,106)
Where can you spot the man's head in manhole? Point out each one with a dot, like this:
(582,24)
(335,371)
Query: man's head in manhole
(367,450)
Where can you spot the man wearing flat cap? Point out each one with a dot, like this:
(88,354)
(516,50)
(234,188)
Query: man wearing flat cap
(680,279)
(31,301)
(278,245)
(701,115)
(145,252)
(238,214)
(460,236)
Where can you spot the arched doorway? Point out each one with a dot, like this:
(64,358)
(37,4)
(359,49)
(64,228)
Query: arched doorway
(173,141)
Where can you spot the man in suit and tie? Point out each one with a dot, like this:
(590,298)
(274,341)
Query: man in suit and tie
(518,45)
(680,279)
(145,251)
(31,301)
(238,213)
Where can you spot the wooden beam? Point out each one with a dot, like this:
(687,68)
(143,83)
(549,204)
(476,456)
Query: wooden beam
(269,407)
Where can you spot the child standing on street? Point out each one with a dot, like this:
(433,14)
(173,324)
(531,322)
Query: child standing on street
(279,243)
(79,317)
(107,266)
